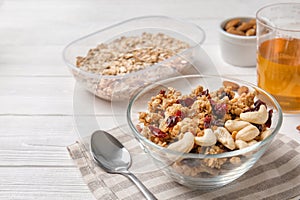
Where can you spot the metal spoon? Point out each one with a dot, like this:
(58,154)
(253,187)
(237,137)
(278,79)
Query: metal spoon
(114,158)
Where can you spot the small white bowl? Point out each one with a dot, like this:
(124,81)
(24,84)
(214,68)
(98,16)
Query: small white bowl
(235,49)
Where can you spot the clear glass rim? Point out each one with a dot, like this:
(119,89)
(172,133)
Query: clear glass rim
(261,20)
(93,75)
(193,155)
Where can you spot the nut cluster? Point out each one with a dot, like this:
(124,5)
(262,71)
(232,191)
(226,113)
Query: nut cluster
(239,27)
(129,54)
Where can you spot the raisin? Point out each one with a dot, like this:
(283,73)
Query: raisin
(163,92)
(186,102)
(161,113)
(218,122)
(178,113)
(205,93)
(207,121)
(219,109)
(269,121)
(224,94)
(172,121)
(157,132)
(257,104)
(259,127)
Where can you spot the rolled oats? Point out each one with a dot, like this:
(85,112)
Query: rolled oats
(108,70)
(129,54)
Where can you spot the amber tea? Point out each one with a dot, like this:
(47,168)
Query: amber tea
(278,70)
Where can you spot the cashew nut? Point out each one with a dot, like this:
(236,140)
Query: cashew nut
(248,133)
(208,139)
(235,160)
(252,142)
(235,125)
(257,117)
(265,134)
(184,145)
(240,144)
(225,137)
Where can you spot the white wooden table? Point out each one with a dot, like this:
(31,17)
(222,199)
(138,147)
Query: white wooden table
(36,88)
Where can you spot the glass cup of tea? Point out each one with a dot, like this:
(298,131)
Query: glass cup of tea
(278,53)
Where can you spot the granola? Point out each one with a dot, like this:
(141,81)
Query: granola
(220,121)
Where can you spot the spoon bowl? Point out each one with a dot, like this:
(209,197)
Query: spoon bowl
(109,152)
(114,158)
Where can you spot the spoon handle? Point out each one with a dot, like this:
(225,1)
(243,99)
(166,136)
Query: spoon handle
(141,186)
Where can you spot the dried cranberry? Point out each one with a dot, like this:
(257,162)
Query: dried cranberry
(172,121)
(163,92)
(207,120)
(259,127)
(139,128)
(224,94)
(178,113)
(257,104)
(218,122)
(157,132)
(186,102)
(205,93)
(269,121)
(219,109)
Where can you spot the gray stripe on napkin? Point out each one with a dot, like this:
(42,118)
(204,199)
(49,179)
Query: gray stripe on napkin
(275,176)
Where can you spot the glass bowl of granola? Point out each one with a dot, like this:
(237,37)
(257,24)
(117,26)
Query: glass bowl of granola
(204,131)
(116,61)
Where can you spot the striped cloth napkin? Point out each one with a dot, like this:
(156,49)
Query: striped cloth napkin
(275,176)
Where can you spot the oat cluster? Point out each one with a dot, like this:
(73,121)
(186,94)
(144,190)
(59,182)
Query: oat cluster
(129,54)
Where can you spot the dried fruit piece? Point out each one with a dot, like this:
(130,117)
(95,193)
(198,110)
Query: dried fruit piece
(205,93)
(186,102)
(172,121)
(218,109)
(157,132)
(207,121)
(269,121)
(163,92)
(258,103)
